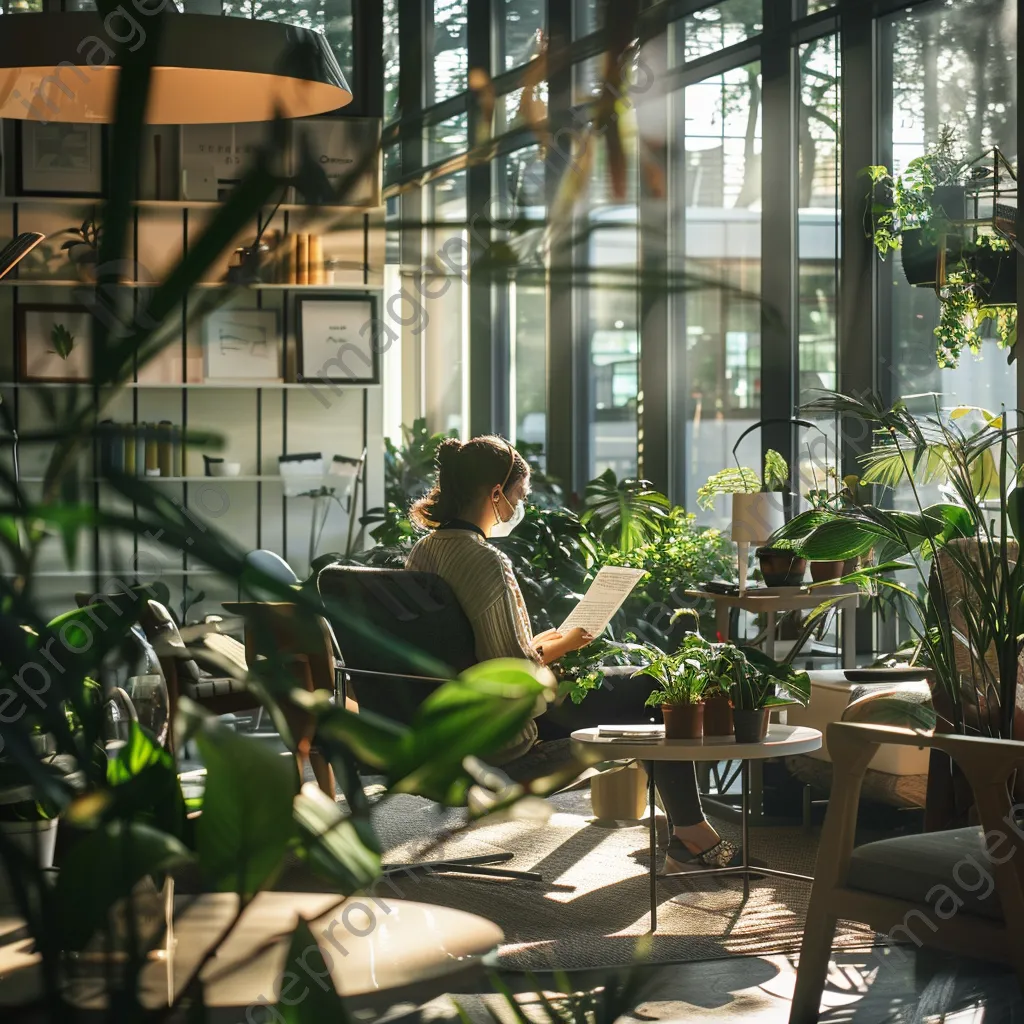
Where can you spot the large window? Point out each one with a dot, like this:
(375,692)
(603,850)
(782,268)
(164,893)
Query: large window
(953,67)
(448,57)
(608,309)
(818,227)
(523,184)
(519,32)
(941,64)
(445,298)
(720,239)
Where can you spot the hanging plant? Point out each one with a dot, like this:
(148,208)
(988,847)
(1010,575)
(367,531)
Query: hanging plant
(964,312)
(923,213)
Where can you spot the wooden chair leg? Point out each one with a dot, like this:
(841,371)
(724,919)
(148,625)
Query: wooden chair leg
(812,971)
(323,773)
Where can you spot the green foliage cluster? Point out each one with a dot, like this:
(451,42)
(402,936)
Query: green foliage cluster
(967,610)
(743,480)
(907,202)
(700,668)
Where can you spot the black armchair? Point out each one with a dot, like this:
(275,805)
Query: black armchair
(420,622)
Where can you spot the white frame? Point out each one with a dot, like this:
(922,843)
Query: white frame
(258,328)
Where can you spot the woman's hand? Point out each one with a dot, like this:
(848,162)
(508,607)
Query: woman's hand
(576,638)
(554,645)
(545,638)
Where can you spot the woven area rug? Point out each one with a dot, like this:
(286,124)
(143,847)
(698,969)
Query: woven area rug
(592,905)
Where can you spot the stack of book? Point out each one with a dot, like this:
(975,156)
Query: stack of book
(304,259)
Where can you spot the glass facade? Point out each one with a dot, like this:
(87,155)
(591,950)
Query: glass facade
(953,68)
(729,160)
(719,236)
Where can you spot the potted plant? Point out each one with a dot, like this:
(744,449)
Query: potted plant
(757,504)
(782,563)
(83,248)
(759,683)
(27,823)
(682,680)
(718,720)
(923,213)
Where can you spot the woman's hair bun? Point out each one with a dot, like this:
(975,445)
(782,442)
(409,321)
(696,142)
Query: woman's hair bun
(447,450)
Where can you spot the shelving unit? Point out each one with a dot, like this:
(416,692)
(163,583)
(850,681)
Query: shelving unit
(260,420)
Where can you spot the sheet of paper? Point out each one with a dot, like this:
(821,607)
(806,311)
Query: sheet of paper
(603,599)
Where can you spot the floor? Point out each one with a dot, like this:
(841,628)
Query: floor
(914,988)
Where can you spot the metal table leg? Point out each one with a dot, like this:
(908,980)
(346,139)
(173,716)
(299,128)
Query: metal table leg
(654,847)
(745,826)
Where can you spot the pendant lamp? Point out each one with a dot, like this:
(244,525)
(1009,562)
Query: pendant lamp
(208,69)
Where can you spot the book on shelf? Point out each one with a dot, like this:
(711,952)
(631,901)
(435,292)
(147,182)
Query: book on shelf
(316,259)
(302,258)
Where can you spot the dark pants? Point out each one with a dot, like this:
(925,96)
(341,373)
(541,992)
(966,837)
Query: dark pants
(620,701)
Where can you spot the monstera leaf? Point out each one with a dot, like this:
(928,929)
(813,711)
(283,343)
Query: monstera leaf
(624,513)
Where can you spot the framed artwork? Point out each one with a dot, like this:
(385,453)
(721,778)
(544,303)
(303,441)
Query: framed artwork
(60,159)
(215,157)
(54,343)
(242,344)
(340,146)
(338,339)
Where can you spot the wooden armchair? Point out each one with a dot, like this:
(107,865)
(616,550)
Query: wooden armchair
(913,888)
(304,643)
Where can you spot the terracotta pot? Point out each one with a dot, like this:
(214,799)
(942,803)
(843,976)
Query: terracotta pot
(751,726)
(718,716)
(619,794)
(683,721)
(822,571)
(781,568)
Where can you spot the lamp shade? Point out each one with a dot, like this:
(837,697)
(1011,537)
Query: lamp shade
(208,70)
(755,517)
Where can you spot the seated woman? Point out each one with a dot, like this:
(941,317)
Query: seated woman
(480,490)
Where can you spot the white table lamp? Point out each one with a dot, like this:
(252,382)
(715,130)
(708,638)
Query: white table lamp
(755,517)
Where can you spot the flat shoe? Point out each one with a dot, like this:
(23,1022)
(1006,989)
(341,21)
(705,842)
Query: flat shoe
(679,858)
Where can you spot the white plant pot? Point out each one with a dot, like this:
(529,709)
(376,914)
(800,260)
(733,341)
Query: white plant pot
(33,837)
(755,517)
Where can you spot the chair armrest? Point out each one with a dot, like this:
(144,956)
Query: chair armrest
(987,764)
(348,670)
(848,742)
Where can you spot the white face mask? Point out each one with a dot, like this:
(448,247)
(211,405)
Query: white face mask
(503,527)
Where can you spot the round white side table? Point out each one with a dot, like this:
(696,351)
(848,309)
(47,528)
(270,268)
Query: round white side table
(781,741)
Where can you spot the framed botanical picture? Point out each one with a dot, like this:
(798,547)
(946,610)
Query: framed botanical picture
(54,343)
(339,339)
(60,159)
(242,344)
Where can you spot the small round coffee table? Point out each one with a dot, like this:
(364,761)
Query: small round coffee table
(781,741)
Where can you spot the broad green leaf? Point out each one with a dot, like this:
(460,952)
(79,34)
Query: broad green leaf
(144,781)
(841,539)
(306,992)
(332,844)
(247,822)
(945,521)
(1015,512)
(477,714)
(103,867)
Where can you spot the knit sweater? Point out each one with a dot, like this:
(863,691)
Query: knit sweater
(485,586)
